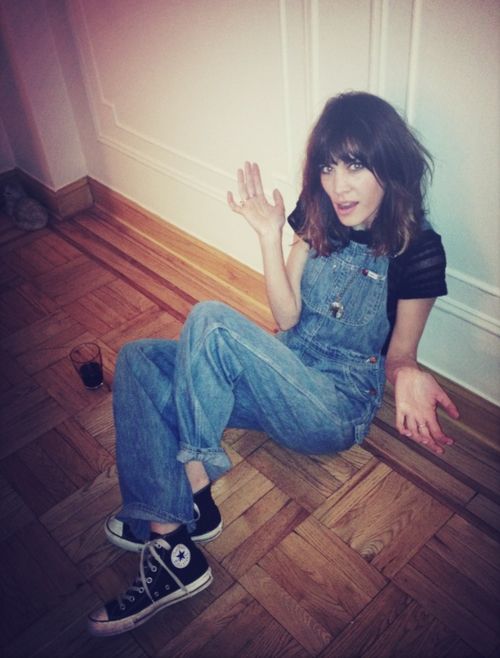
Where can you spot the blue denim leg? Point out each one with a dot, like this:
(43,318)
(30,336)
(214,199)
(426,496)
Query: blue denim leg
(147,440)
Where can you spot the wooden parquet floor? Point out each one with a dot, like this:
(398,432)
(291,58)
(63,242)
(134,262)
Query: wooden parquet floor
(380,551)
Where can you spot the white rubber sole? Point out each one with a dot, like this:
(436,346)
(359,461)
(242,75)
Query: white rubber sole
(108,628)
(113,529)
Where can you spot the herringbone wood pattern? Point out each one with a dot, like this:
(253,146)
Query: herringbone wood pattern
(381,551)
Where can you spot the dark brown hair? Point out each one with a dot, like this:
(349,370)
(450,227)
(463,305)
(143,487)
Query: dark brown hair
(361,126)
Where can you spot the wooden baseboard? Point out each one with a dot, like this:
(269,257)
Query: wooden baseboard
(63,203)
(7,177)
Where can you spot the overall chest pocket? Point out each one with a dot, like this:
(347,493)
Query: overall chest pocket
(348,291)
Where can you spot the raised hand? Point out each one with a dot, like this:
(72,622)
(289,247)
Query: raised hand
(264,217)
(417,396)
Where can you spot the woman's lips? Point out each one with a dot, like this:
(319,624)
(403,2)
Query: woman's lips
(345,208)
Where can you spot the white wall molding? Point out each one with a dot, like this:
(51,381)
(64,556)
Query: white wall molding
(470,315)
(378,37)
(313,57)
(463,288)
(413,60)
(116,134)
(287,109)
(473,282)
(111,120)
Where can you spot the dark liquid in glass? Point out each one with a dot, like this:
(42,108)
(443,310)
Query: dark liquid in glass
(91,374)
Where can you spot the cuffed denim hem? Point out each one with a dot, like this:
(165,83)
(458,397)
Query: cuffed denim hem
(146,513)
(215,461)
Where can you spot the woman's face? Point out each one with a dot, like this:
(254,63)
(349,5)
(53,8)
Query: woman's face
(354,191)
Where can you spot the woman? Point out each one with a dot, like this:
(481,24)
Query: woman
(351,302)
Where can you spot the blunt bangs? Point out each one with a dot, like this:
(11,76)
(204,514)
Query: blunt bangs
(345,140)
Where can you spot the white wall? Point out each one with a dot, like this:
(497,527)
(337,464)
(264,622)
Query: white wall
(169,96)
(35,105)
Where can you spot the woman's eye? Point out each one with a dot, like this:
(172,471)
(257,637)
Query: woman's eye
(326,169)
(356,165)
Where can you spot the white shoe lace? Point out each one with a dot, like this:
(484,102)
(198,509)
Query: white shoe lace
(141,584)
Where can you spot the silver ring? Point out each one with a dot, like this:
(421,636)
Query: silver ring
(420,426)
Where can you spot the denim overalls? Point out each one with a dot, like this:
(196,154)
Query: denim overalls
(313,389)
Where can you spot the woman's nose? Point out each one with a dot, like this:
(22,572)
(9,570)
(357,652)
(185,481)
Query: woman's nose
(340,181)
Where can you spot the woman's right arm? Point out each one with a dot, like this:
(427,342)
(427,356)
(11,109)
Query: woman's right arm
(268,219)
(283,281)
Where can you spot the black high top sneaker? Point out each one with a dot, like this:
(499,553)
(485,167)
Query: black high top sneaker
(207,517)
(172,569)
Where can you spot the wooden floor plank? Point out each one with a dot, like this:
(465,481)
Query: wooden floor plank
(444,606)
(464,588)
(59,520)
(212,621)
(472,552)
(294,484)
(152,323)
(167,298)
(324,511)
(420,467)
(486,509)
(370,625)
(106,308)
(21,306)
(85,445)
(46,341)
(63,384)
(285,609)
(36,578)
(416,633)
(255,547)
(248,523)
(12,373)
(26,412)
(390,524)
(63,630)
(247,487)
(14,512)
(348,564)
(245,441)
(68,282)
(98,422)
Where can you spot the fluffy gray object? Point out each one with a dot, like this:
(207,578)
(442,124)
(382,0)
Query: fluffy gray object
(26,213)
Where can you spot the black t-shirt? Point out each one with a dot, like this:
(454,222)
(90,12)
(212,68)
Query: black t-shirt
(418,273)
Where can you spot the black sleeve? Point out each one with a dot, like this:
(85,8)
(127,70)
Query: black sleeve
(419,273)
(422,268)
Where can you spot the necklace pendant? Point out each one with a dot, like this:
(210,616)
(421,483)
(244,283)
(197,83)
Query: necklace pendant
(337,309)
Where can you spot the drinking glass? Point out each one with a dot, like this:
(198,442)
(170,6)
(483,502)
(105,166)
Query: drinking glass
(87,361)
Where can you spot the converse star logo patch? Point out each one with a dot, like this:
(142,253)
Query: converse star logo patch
(181,556)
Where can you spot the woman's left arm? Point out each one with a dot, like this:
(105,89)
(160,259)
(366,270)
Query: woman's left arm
(417,393)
